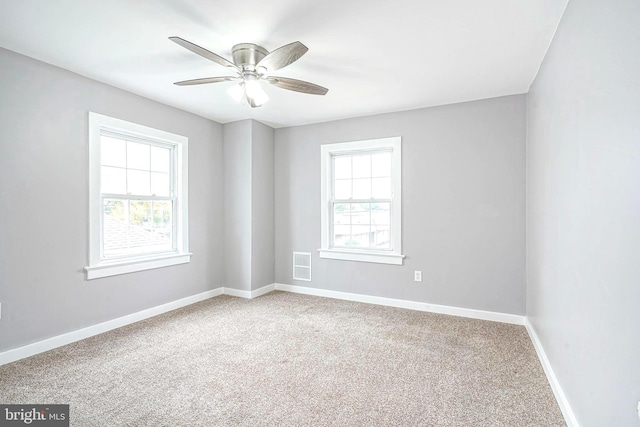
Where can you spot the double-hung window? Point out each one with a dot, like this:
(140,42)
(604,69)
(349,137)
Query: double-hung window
(361,201)
(138,198)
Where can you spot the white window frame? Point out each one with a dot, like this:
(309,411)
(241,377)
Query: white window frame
(103,267)
(394,254)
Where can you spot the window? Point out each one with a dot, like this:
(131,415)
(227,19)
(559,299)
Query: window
(138,198)
(361,201)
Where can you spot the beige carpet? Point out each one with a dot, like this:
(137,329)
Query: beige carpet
(293,360)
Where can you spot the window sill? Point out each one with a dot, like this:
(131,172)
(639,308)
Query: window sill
(362,256)
(130,266)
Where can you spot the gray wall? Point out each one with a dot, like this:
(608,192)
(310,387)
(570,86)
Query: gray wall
(262,206)
(249,205)
(583,209)
(44,204)
(237,204)
(463,205)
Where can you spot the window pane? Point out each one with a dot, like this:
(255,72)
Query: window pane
(342,167)
(342,213)
(115,229)
(162,224)
(381,164)
(160,159)
(341,234)
(381,236)
(160,184)
(342,189)
(361,213)
(140,226)
(136,227)
(113,152)
(381,213)
(139,182)
(362,188)
(381,188)
(362,166)
(360,236)
(140,213)
(113,180)
(138,156)
(361,225)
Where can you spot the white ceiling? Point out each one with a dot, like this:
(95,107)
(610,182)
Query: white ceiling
(375,56)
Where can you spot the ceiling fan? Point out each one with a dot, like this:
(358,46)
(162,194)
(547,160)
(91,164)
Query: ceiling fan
(253,63)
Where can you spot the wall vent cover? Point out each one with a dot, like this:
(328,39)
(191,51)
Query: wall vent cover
(302,266)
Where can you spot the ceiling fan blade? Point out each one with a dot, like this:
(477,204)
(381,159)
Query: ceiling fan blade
(283,56)
(206,80)
(297,85)
(204,53)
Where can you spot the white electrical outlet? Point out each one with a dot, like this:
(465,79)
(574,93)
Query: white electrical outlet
(638,408)
(417,276)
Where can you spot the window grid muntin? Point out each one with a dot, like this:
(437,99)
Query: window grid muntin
(333,200)
(151,142)
(173,185)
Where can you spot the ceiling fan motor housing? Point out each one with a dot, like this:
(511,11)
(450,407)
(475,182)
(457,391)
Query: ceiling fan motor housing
(248,54)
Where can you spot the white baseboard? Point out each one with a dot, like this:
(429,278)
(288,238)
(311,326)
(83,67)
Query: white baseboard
(263,290)
(412,305)
(249,294)
(236,293)
(567,412)
(68,338)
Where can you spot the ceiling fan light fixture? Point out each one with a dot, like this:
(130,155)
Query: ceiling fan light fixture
(236,92)
(254,92)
